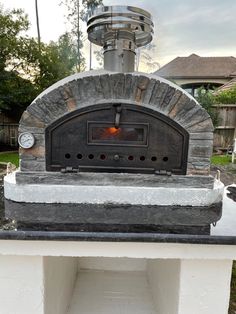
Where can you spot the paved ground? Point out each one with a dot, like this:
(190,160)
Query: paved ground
(227,173)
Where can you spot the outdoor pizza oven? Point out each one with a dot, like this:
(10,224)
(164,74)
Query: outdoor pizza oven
(115,149)
(117,136)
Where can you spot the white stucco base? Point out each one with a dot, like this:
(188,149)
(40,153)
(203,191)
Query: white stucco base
(52,193)
(47,277)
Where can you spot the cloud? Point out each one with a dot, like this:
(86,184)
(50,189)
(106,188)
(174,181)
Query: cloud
(182,27)
(205,27)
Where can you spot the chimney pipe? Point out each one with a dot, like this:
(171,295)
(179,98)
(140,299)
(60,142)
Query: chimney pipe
(120,30)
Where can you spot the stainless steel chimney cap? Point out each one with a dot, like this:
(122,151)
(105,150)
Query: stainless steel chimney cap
(114,19)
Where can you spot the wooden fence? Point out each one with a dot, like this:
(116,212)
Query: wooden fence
(9,134)
(225,132)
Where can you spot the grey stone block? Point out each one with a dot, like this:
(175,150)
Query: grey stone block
(142,85)
(168,96)
(55,96)
(39,139)
(104,79)
(158,94)
(200,142)
(149,90)
(175,98)
(117,84)
(66,91)
(198,165)
(203,126)
(98,87)
(52,105)
(73,86)
(190,114)
(34,130)
(200,151)
(198,117)
(29,120)
(87,89)
(32,165)
(194,159)
(128,79)
(26,157)
(47,112)
(180,106)
(201,136)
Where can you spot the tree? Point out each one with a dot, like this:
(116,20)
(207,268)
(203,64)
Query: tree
(16,91)
(77,13)
(206,100)
(37,22)
(24,69)
(56,61)
(11,42)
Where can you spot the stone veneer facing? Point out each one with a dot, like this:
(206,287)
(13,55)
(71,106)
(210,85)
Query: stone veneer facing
(94,87)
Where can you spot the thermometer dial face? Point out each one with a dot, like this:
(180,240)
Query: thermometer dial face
(26,140)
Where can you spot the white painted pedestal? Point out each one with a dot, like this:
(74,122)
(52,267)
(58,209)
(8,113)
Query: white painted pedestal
(56,277)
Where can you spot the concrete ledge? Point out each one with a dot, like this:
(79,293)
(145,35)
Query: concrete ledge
(97,194)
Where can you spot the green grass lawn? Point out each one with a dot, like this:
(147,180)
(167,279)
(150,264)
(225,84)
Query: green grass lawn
(220,160)
(12,157)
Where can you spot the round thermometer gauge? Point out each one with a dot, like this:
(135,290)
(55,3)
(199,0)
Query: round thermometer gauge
(26,140)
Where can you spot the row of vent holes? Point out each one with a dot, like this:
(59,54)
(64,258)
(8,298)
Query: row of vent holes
(103,157)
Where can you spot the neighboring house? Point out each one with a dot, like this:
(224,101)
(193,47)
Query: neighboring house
(194,71)
(229,85)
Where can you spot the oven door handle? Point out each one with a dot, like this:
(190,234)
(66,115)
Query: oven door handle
(117,117)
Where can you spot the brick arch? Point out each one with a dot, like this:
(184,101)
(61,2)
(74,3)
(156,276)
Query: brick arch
(91,88)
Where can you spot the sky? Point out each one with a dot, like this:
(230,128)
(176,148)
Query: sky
(182,27)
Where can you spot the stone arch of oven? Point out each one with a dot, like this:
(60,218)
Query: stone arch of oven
(95,87)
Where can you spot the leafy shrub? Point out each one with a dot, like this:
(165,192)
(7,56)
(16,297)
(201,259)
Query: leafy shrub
(226,97)
(207,100)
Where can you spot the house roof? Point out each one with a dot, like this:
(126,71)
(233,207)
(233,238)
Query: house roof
(195,66)
(226,86)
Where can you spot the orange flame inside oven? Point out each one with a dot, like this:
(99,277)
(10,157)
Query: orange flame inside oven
(113,130)
(107,133)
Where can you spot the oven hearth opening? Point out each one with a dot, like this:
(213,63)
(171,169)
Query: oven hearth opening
(90,141)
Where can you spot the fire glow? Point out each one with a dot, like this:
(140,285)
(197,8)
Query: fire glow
(113,130)
(108,133)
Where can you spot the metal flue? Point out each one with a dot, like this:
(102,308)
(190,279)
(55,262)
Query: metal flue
(120,30)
